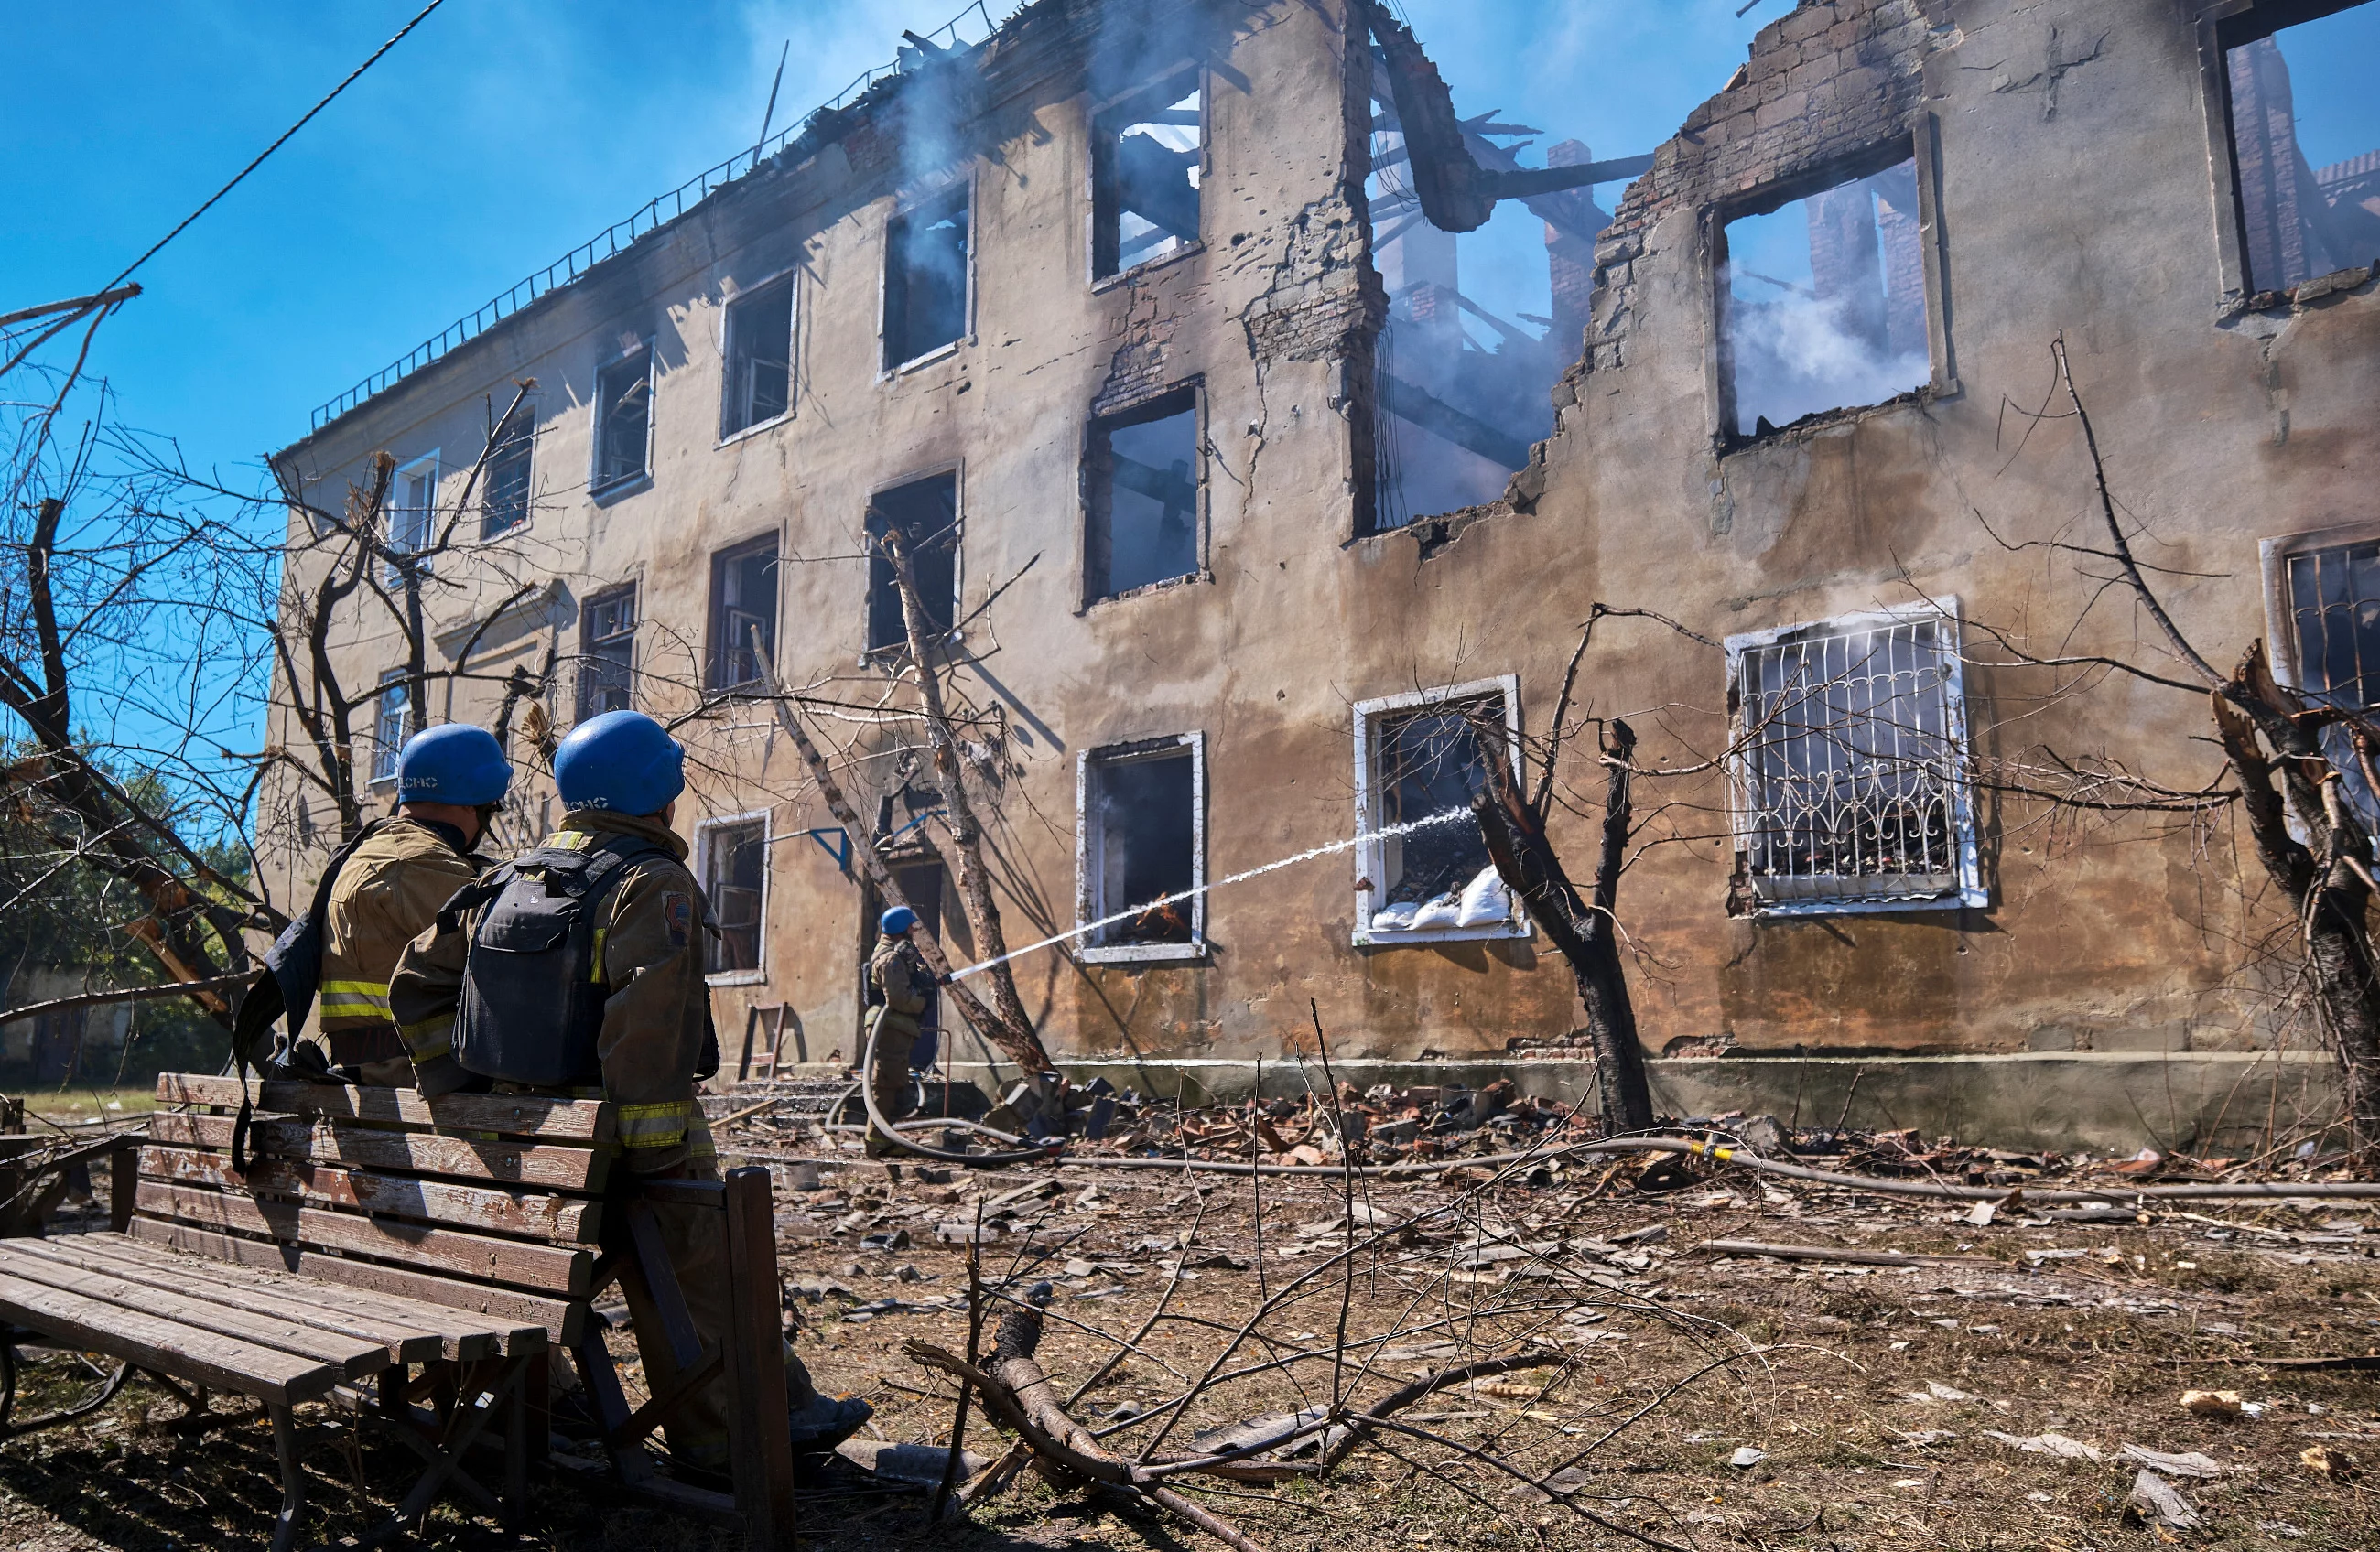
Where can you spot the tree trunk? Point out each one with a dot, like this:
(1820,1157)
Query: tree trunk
(1585,934)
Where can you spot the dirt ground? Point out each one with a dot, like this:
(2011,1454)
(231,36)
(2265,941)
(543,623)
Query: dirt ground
(1873,1395)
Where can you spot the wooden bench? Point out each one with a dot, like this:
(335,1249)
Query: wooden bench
(437,1251)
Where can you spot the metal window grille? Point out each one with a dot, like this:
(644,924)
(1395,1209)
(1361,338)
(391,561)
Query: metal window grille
(2335,622)
(506,505)
(1851,782)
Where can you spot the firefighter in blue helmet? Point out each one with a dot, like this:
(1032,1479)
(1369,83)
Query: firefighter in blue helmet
(898,977)
(579,969)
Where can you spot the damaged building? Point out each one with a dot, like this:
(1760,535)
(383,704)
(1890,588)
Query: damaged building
(1250,531)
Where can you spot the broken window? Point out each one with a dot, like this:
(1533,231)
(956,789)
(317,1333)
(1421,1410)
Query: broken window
(412,513)
(759,357)
(624,418)
(926,278)
(2305,140)
(1142,482)
(735,883)
(392,724)
(926,512)
(1850,767)
(607,651)
(743,600)
(1144,173)
(1822,302)
(1139,844)
(1424,869)
(2333,595)
(506,503)
(1480,324)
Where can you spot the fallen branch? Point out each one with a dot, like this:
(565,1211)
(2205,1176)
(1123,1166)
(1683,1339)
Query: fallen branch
(1830,1253)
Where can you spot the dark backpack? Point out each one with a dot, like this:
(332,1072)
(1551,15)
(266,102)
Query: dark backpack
(531,1009)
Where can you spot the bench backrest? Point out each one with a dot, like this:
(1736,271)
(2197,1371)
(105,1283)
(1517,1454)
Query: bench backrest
(486,1201)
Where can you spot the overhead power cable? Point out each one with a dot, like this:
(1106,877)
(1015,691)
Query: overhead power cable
(276,145)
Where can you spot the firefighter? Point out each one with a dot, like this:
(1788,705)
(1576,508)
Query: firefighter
(450,782)
(897,975)
(578,970)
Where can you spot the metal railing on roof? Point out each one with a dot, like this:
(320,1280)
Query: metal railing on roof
(655,214)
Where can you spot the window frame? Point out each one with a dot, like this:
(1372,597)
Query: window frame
(706,841)
(1921,144)
(1087,861)
(1968,892)
(904,207)
(390,683)
(716,648)
(1371,863)
(897,651)
(390,573)
(2222,27)
(2273,557)
(1136,412)
(586,641)
(790,278)
(526,416)
(1110,113)
(598,489)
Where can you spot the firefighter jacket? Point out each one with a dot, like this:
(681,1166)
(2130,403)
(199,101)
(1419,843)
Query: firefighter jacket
(648,955)
(898,972)
(387,893)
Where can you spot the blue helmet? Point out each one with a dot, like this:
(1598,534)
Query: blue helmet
(456,763)
(896,921)
(622,760)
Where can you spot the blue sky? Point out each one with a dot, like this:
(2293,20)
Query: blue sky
(503,133)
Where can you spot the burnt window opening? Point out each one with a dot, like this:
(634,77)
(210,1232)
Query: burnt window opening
(607,652)
(412,516)
(926,278)
(1461,388)
(1140,847)
(505,506)
(735,884)
(759,357)
(1146,160)
(1822,302)
(1851,792)
(1143,479)
(624,419)
(2334,629)
(925,515)
(392,724)
(743,600)
(1421,760)
(2305,138)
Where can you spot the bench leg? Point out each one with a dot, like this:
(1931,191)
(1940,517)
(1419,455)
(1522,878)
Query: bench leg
(293,1482)
(518,1417)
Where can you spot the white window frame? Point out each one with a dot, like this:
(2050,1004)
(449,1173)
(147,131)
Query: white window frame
(705,837)
(390,679)
(1967,892)
(907,205)
(791,277)
(1371,858)
(629,485)
(423,468)
(1088,862)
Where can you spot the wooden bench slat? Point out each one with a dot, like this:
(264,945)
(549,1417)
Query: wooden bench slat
(354,1357)
(512,1115)
(542,1318)
(201,1357)
(554,1168)
(446,1334)
(546,1268)
(545,1216)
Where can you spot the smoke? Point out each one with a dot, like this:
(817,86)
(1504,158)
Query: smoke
(1796,356)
